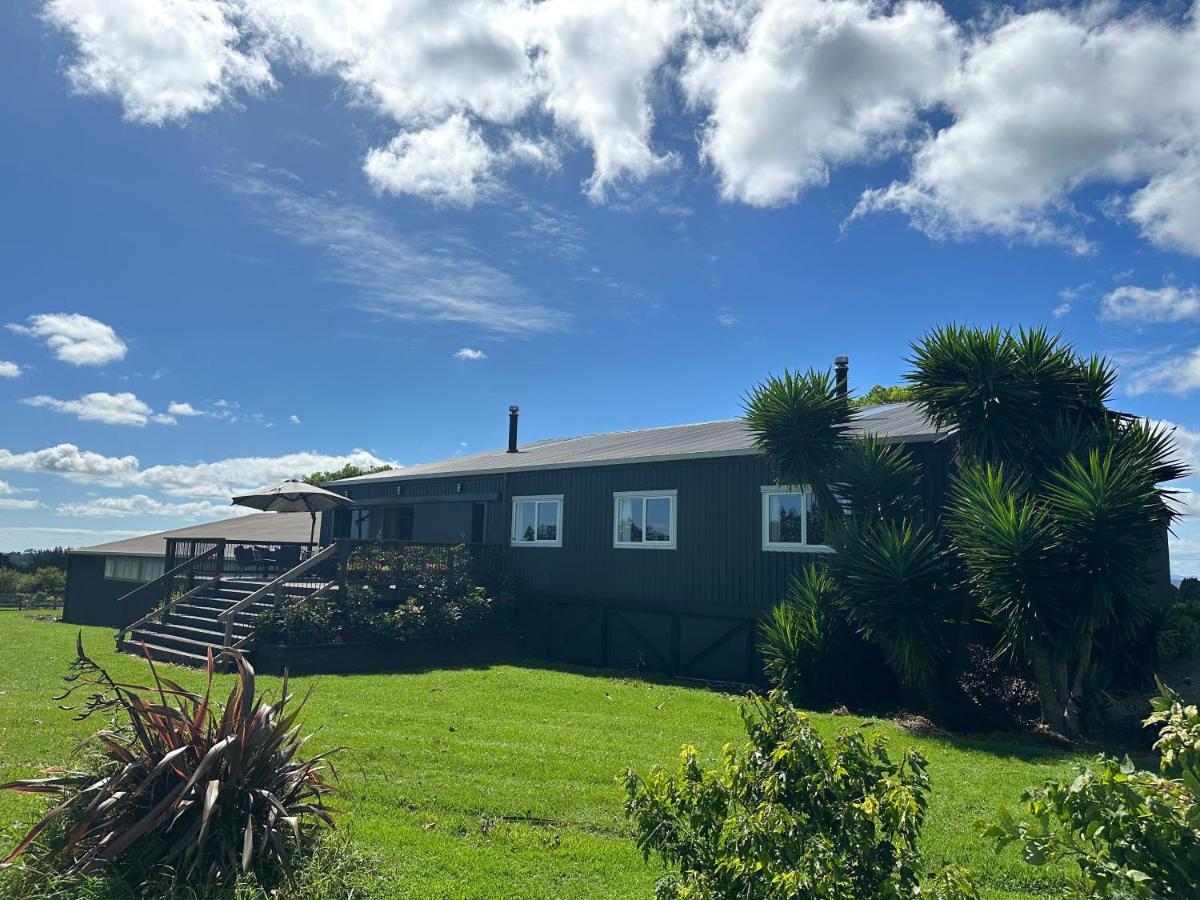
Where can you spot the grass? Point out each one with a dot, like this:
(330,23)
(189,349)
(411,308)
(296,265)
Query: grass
(500,782)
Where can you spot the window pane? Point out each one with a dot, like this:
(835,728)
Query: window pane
(523,521)
(658,518)
(816,524)
(547,520)
(629,520)
(360,524)
(785,518)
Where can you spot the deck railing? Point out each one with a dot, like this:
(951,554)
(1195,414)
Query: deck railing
(275,589)
(397,569)
(200,567)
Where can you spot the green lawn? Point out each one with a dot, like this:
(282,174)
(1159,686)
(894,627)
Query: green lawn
(500,782)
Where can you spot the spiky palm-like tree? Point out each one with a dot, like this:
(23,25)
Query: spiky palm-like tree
(1057,504)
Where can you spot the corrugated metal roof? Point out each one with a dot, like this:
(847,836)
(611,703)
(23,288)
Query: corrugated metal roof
(254,527)
(730,437)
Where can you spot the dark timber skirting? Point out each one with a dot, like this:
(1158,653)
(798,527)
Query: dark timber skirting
(692,643)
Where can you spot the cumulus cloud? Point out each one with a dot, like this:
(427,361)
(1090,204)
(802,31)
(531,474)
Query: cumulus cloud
(76,339)
(111,409)
(1187,444)
(815,85)
(447,163)
(1177,375)
(727,317)
(12,503)
(596,62)
(162,59)
(222,478)
(1053,100)
(1145,305)
(469,353)
(9,369)
(143,505)
(179,408)
(294,419)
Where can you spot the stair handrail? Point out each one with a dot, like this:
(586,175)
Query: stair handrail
(166,579)
(276,586)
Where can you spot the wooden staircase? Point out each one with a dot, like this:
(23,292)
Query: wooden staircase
(216,612)
(191,628)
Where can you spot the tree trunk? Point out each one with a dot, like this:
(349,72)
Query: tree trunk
(1074,708)
(1046,677)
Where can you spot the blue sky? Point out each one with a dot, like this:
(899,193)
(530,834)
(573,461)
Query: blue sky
(327,239)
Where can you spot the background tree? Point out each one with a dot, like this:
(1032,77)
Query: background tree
(347,471)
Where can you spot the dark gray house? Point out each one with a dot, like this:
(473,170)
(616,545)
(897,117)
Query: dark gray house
(658,548)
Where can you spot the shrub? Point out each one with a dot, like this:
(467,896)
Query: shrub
(1179,635)
(394,594)
(809,650)
(13,581)
(1130,833)
(180,785)
(788,817)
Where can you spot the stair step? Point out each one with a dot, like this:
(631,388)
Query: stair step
(173,642)
(187,621)
(159,653)
(209,632)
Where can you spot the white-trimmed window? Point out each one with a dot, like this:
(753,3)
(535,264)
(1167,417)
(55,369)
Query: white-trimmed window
(537,521)
(791,520)
(644,519)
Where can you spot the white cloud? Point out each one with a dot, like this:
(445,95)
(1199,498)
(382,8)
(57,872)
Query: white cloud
(595,65)
(70,462)
(143,505)
(6,488)
(402,275)
(111,409)
(10,503)
(1177,375)
(447,163)
(812,85)
(76,339)
(295,420)
(469,353)
(1053,100)
(1144,305)
(727,317)
(179,408)
(221,478)
(26,536)
(1187,444)
(162,59)
(9,369)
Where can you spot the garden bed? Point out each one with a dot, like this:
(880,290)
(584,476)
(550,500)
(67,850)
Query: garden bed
(387,656)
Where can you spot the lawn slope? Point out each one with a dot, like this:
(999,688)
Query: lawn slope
(500,782)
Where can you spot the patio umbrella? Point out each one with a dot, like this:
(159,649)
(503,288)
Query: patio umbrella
(293,496)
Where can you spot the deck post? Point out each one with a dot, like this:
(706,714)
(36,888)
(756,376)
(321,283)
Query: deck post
(343,564)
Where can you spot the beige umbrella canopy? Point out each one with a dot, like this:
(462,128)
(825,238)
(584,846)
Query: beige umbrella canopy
(293,496)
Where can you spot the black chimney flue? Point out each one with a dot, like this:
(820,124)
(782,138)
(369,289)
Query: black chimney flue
(841,375)
(513,412)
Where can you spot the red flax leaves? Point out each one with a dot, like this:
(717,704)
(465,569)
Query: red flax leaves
(177,781)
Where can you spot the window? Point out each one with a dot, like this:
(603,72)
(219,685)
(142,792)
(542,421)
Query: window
(644,520)
(537,521)
(133,568)
(362,525)
(791,520)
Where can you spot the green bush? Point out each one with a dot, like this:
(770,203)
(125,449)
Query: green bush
(788,817)
(807,647)
(14,581)
(394,594)
(1130,833)
(1179,633)
(179,787)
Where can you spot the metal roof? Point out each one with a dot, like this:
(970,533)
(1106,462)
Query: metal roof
(255,527)
(729,437)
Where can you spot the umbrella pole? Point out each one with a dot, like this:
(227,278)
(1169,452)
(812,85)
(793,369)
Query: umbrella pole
(312,530)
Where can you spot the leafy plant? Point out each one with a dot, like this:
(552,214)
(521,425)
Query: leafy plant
(395,594)
(179,783)
(805,640)
(788,817)
(1130,833)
